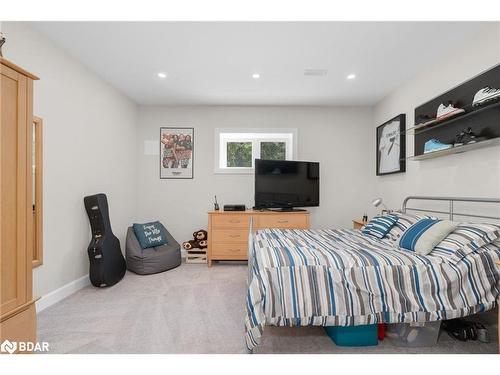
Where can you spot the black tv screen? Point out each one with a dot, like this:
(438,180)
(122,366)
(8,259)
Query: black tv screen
(286,184)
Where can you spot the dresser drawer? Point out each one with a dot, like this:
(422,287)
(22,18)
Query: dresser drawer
(230,221)
(228,231)
(229,251)
(230,235)
(283,221)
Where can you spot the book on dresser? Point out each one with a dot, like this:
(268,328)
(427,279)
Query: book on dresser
(228,230)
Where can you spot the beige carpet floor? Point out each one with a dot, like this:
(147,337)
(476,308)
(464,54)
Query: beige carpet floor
(193,309)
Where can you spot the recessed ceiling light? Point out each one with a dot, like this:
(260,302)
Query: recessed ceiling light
(256,76)
(351,76)
(162,75)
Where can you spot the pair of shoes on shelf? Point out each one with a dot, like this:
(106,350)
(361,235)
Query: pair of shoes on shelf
(447,111)
(433,145)
(443,112)
(465,137)
(485,95)
(464,330)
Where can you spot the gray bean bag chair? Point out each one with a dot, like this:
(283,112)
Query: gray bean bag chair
(153,259)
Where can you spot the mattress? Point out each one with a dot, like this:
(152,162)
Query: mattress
(343,278)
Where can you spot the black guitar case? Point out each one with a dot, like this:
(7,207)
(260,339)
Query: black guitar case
(107,265)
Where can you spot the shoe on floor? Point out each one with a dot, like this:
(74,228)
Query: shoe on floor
(433,145)
(460,329)
(482,333)
(464,330)
(486,94)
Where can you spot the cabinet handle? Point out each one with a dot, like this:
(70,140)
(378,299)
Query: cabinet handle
(234,235)
(234,221)
(234,250)
(282,221)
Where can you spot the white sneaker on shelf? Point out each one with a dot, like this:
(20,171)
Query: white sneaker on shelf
(484,95)
(448,111)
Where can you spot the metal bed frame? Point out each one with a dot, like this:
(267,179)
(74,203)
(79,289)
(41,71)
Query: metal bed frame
(450,212)
(451,201)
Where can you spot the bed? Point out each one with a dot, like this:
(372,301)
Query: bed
(341,277)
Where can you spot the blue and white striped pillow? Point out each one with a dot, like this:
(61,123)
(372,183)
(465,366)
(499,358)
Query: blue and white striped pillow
(424,235)
(379,226)
(404,222)
(467,238)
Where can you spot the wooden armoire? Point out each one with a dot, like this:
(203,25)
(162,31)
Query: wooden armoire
(17,307)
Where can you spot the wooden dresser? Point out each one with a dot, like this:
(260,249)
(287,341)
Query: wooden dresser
(17,308)
(228,230)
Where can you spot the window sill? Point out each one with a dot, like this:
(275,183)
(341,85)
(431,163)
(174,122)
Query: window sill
(235,171)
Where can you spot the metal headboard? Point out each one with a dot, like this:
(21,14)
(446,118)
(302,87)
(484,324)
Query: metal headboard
(450,210)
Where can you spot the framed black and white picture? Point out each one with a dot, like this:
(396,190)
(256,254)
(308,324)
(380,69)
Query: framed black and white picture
(176,152)
(391,146)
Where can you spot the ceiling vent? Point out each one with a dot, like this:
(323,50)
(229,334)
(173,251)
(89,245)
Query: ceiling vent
(315,72)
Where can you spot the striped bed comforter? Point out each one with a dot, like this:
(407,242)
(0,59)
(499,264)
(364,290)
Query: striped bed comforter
(342,277)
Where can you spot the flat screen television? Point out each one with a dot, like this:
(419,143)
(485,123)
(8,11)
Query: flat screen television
(286,184)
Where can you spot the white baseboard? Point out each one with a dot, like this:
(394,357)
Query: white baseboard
(61,293)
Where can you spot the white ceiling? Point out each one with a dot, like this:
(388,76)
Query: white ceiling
(211,63)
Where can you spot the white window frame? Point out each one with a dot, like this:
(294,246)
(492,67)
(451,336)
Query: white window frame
(256,136)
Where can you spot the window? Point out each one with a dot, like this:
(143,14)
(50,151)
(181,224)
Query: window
(237,149)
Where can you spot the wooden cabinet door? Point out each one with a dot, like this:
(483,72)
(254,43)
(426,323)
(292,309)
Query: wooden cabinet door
(15,180)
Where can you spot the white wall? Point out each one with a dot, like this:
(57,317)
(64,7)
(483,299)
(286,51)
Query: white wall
(336,137)
(475,173)
(89,147)
(93,142)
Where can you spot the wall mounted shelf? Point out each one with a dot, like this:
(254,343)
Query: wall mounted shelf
(457,150)
(462,117)
(484,120)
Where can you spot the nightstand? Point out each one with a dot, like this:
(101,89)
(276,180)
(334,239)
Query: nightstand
(358,224)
